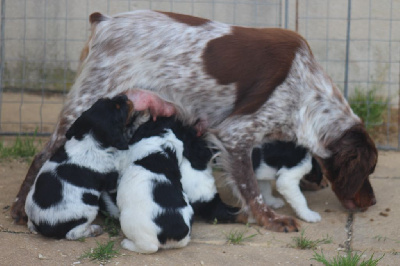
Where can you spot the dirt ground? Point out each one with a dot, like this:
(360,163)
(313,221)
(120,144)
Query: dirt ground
(376,231)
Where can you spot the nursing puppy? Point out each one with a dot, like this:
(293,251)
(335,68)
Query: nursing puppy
(63,201)
(245,86)
(154,211)
(288,164)
(166,176)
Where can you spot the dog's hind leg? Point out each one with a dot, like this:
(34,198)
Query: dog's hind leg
(236,137)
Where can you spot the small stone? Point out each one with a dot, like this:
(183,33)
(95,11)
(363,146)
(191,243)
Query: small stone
(384,214)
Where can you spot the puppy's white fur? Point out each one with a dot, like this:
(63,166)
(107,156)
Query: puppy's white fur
(287,184)
(86,153)
(135,198)
(199,185)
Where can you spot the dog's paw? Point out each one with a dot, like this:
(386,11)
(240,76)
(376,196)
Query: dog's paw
(310,216)
(282,224)
(18,212)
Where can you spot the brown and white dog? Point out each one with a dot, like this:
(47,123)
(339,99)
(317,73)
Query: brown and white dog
(245,86)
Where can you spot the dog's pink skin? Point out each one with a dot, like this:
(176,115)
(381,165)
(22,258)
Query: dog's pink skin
(143,100)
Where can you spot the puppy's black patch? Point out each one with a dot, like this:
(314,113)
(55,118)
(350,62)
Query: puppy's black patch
(48,190)
(97,120)
(163,163)
(168,196)
(256,158)
(90,199)
(194,148)
(111,181)
(151,128)
(280,154)
(60,155)
(173,226)
(215,209)
(60,229)
(316,174)
(81,176)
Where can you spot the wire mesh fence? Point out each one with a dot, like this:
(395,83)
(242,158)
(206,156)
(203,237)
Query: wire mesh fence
(356,41)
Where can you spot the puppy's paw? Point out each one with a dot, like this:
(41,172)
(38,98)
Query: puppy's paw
(275,203)
(130,245)
(310,216)
(95,230)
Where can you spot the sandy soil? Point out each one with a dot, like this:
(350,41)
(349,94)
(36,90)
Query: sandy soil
(377,233)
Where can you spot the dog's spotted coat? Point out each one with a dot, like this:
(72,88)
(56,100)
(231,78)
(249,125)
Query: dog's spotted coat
(245,86)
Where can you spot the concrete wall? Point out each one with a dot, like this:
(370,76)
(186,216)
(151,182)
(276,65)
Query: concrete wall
(43,38)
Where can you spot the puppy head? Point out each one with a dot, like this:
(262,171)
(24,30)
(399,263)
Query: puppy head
(195,149)
(106,120)
(354,157)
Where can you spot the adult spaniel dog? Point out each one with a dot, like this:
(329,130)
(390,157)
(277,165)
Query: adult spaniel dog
(242,86)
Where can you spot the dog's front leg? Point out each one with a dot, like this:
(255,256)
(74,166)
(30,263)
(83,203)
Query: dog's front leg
(237,163)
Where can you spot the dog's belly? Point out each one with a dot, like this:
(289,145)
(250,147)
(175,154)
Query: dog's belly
(167,60)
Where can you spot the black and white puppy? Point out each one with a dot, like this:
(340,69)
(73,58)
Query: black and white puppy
(288,164)
(166,179)
(63,202)
(154,211)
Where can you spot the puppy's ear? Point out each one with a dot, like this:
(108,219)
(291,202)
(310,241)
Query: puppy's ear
(195,149)
(121,143)
(114,136)
(80,127)
(70,132)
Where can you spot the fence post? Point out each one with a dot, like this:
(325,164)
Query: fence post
(286,14)
(2,64)
(346,73)
(398,119)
